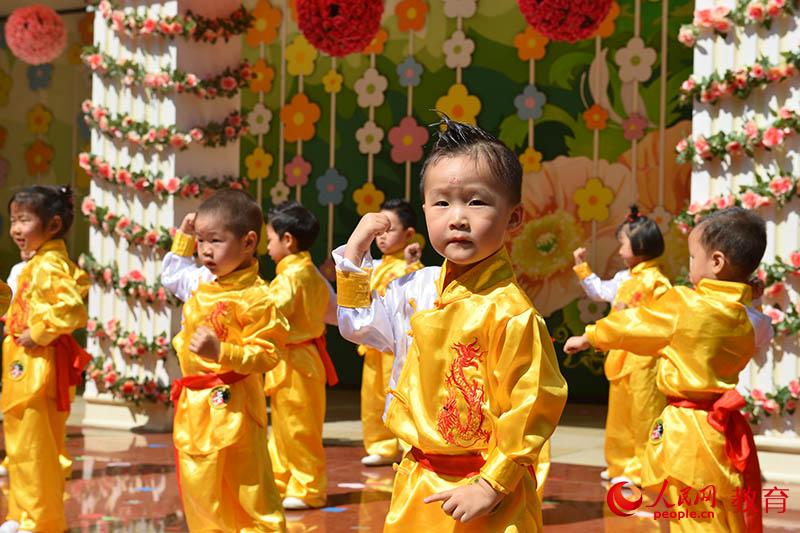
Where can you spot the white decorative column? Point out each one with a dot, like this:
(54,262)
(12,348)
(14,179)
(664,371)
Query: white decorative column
(151,373)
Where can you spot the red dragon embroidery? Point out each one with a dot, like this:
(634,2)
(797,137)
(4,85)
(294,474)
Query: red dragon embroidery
(449,422)
(18,318)
(215,320)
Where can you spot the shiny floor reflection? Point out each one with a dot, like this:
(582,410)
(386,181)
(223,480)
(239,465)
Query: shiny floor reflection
(126,482)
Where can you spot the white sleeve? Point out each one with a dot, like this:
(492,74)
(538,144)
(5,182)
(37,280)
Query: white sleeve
(368,325)
(181,275)
(762,328)
(601,290)
(13,276)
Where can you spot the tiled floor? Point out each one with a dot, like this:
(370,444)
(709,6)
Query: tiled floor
(124,481)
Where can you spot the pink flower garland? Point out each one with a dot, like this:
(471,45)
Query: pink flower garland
(781,402)
(721,19)
(112,224)
(131,285)
(133,389)
(130,343)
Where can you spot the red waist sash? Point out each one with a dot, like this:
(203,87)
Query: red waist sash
(327,362)
(463,465)
(725,416)
(203,381)
(71,359)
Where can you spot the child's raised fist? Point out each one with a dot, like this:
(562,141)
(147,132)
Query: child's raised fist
(187,224)
(412,253)
(370,226)
(579,255)
(205,343)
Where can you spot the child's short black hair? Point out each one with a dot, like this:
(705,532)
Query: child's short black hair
(291,217)
(646,239)
(238,210)
(457,138)
(403,210)
(738,233)
(48,202)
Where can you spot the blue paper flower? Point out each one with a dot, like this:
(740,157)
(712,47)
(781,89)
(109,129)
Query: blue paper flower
(409,72)
(529,104)
(39,76)
(331,185)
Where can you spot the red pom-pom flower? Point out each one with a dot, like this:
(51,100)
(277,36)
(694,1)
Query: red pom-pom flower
(565,20)
(339,27)
(36,34)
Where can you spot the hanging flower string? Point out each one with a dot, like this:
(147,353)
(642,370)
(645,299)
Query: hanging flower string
(722,19)
(155,183)
(190,26)
(741,82)
(130,343)
(145,135)
(782,402)
(131,72)
(132,285)
(136,234)
(744,141)
(133,389)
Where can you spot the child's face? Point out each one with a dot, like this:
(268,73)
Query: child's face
(28,230)
(277,247)
(702,264)
(396,238)
(466,213)
(219,249)
(626,251)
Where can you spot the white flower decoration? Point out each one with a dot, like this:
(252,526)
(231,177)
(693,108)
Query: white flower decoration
(635,61)
(662,217)
(458,50)
(279,193)
(370,88)
(591,311)
(259,119)
(369,138)
(459,8)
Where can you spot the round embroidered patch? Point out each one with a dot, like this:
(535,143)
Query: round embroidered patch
(16,370)
(657,433)
(220,397)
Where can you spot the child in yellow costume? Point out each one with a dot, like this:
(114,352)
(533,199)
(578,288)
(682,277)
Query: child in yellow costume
(700,444)
(296,386)
(381,446)
(479,390)
(634,400)
(41,361)
(231,334)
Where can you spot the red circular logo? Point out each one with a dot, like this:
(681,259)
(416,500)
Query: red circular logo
(619,504)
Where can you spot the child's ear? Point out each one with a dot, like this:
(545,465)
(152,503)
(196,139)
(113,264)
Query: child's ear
(409,233)
(55,225)
(251,241)
(718,262)
(289,241)
(515,220)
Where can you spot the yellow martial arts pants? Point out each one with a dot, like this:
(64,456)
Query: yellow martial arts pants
(34,434)
(378,440)
(231,489)
(542,469)
(634,402)
(297,412)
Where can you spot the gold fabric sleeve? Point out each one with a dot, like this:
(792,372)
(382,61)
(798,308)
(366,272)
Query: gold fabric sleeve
(56,300)
(183,244)
(583,271)
(352,289)
(263,335)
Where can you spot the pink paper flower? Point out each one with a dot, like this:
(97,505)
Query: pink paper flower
(774,290)
(781,185)
(771,406)
(794,388)
(297,171)
(772,137)
(407,140)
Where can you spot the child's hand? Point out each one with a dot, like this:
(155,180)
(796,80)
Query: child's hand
(579,255)
(205,344)
(576,344)
(370,226)
(25,340)
(468,501)
(187,225)
(412,252)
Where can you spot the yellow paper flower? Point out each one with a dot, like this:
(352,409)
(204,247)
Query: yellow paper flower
(300,56)
(39,118)
(531,160)
(258,164)
(593,200)
(368,199)
(332,82)
(545,244)
(459,105)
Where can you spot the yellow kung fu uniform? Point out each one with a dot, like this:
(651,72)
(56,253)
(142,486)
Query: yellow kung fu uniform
(296,386)
(220,432)
(480,379)
(703,338)
(633,398)
(378,440)
(49,302)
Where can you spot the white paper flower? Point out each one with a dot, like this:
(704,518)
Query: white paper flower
(369,138)
(591,311)
(259,119)
(635,61)
(458,50)
(662,217)
(279,193)
(459,8)
(370,88)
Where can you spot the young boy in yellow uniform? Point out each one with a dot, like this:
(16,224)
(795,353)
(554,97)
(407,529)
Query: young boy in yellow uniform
(296,387)
(480,390)
(380,444)
(703,337)
(231,334)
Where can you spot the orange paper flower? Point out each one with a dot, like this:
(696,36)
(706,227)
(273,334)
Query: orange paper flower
(299,118)
(38,157)
(595,117)
(264,28)
(411,15)
(261,82)
(530,44)
(607,27)
(378,42)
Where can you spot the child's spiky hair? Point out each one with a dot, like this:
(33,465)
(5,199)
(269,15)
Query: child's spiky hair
(457,138)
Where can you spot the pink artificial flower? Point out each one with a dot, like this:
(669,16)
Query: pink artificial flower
(771,406)
(781,185)
(734,148)
(751,130)
(134,137)
(772,137)
(95,61)
(723,202)
(774,290)
(785,113)
(794,259)
(230,132)
(196,134)
(123,282)
(177,141)
(124,177)
(755,10)
(791,405)
(753,200)
(774,73)
(110,379)
(682,145)
(703,18)
(228,83)
(777,316)
(688,85)
(136,276)
(686,36)
(108,278)
(91,326)
(148,26)
(161,294)
(703,148)
(172,185)
(88,206)
(83,161)
(151,135)
(774,8)
(695,208)
(123,223)
(191,80)
(794,388)
(757,71)
(684,228)
(758,395)
(151,238)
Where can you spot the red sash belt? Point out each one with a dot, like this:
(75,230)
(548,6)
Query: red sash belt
(725,416)
(327,362)
(71,359)
(203,381)
(463,465)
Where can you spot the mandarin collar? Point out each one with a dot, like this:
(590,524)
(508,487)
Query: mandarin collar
(239,279)
(487,273)
(298,259)
(54,245)
(729,291)
(644,265)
